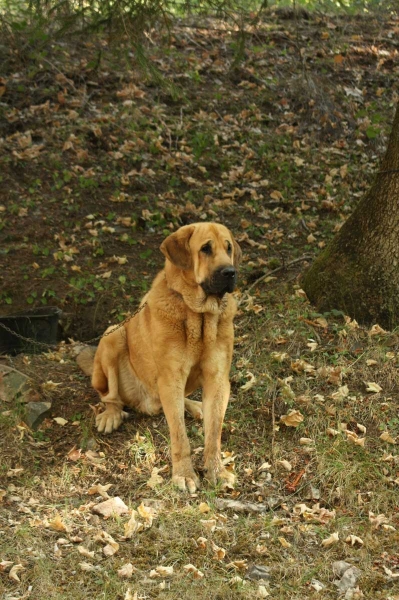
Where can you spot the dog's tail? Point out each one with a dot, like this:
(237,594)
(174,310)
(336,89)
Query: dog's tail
(85,359)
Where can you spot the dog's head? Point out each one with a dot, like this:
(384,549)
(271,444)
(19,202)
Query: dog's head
(207,253)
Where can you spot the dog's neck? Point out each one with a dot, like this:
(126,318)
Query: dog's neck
(192,293)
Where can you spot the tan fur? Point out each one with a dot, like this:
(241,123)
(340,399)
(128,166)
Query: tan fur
(180,341)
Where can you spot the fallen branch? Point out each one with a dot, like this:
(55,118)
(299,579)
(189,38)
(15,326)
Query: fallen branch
(260,279)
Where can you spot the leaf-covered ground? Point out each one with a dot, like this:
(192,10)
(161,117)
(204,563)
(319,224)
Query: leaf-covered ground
(99,163)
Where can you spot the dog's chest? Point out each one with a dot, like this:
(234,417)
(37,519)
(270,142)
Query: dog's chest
(201,330)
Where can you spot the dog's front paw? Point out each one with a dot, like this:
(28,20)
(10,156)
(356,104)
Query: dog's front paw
(110,419)
(185,478)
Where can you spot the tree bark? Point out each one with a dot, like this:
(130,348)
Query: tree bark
(358,272)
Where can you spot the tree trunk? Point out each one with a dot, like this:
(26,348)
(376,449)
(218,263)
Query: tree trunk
(358,272)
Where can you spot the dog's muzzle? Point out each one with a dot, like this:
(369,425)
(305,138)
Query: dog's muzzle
(222,281)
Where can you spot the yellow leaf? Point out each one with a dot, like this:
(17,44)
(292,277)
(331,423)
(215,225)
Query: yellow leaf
(204,508)
(373,387)
(386,437)
(292,419)
(332,539)
(57,524)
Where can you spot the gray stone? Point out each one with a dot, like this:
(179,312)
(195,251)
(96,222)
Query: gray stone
(257,572)
(348,575)
(13,384)
(35,413)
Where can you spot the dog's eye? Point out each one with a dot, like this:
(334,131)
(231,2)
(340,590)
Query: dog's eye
(229,248)
(207,248)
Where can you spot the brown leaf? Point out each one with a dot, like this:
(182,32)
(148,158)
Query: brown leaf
(57,524)
(292,419)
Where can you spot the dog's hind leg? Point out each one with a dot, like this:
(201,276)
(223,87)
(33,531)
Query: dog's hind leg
(107,386)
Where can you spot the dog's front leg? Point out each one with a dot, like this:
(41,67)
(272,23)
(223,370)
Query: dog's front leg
(216,392)
(171,393)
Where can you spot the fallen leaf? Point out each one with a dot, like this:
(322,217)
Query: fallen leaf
(386,437)
(132,526)
(85,552)
(201,543)
(241,565)
(89,567)
(100,489)
(147,513)
(377,520)
(204,508)
(284,542)
(354,540)
(219,553)
(390,573)
(377,330)
(50,385)
(13,574)
(341,393)
(354,438)
(155,479)
(332,432)
(373,387)
(209,524)
(332,539)
(74,454)
(250,383)
(111,546)
(57,524)
(111,549)
(126,571)
(285,464)
(196,573)
(161,572)
(60,421)
(4,564)
(292,419)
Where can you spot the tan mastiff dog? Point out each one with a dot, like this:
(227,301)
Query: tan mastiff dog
(180,341)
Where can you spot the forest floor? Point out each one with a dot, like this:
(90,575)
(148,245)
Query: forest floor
(99,164)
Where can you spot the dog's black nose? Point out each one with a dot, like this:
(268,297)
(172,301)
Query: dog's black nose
(228,272)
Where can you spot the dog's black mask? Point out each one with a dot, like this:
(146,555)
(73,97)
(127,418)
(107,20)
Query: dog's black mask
(222,281)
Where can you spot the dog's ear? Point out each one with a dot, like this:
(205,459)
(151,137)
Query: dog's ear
(237,254)
(176,247)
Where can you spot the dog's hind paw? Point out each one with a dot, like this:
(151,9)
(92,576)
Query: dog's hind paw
(110,419)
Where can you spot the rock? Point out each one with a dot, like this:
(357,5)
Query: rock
(13,383)
(112,507)
(35,413)
(257,572)
(91,444)
(339,567)
(317,585)
(348,575)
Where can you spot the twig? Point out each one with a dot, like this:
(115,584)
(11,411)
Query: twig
(273,426)
(255,283)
